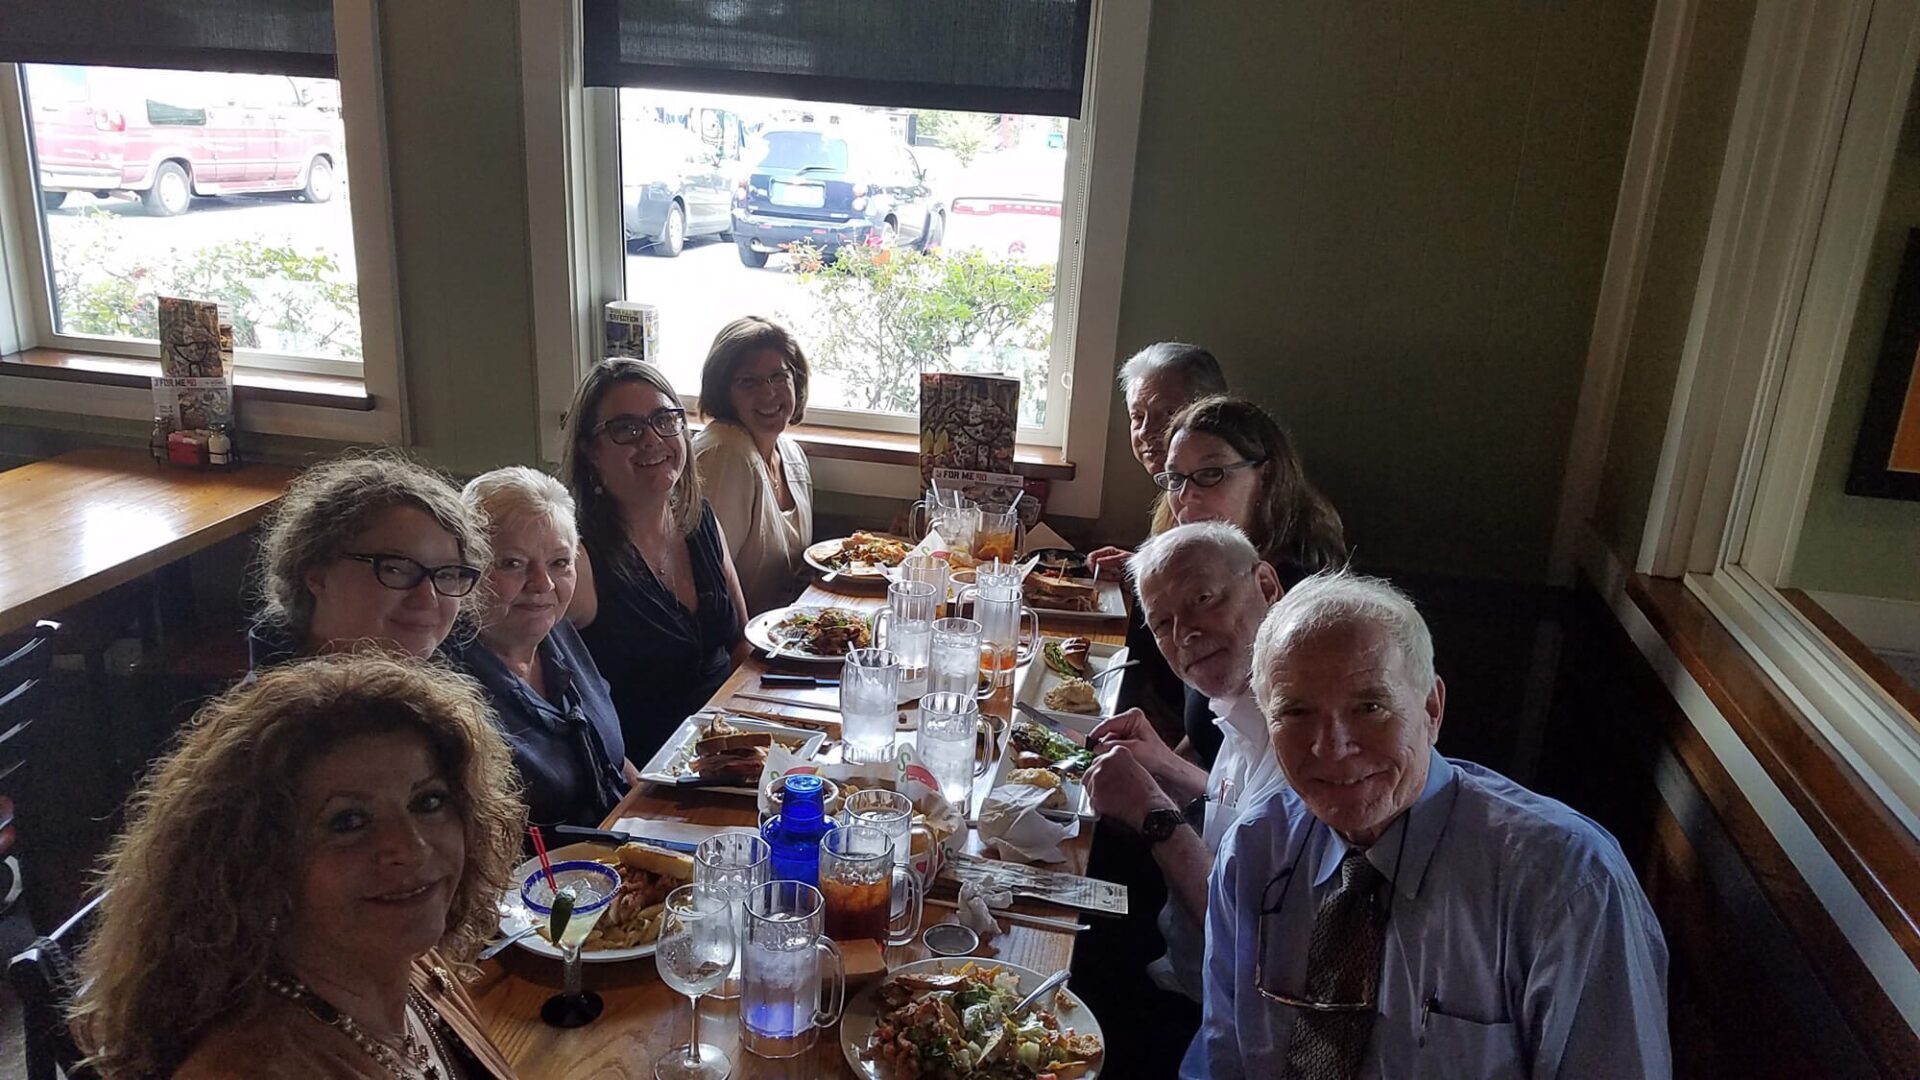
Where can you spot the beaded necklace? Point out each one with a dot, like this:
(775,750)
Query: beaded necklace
(419,1061)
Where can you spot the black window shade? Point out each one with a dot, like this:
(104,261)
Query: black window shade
(1001,56)
(284,37)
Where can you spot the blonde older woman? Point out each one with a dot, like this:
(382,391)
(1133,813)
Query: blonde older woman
(365,548)
(301,879)
(661,608)
(753,387)
(548,697)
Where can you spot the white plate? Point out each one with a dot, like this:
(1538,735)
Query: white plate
(514,915)
(1036,678)
(760,633)
(1110,596)
(816,557)
(667,765)
(1075,792)
(863,1011)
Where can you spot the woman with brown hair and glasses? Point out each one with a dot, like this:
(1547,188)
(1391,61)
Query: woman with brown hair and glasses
(754,386)
(658,602)
(365,548)
(1229,460)
(302,882)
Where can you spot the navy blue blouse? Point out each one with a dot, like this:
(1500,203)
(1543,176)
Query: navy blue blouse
(567,744)
(662,661)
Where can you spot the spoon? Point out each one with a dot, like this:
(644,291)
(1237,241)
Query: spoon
(497,947)
(1054,981)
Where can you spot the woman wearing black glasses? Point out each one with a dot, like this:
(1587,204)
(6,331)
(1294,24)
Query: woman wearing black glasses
(370,548)
(1229,460)
(752,388)
(658,600)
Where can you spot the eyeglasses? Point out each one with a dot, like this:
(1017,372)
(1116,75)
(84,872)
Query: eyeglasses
(1260,965)
(1206,478)
(627,428)
(747,384)
(400,572)
(1268,911)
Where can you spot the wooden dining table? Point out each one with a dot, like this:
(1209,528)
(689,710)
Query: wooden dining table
(643,1017)
(84,522)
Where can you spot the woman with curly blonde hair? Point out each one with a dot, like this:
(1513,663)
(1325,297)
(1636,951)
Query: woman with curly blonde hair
(368,547)
(297,878)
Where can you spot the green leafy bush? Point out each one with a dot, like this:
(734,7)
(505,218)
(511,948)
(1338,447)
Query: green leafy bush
(277,297)
(882,316)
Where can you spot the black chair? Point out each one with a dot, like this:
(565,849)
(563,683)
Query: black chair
(23,678)
(47,983)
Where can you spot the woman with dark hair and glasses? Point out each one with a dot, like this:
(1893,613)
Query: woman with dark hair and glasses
(368,548)
(657,602)
(753,387)
(1229,460)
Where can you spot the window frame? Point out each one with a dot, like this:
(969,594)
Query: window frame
(26,312)
(607,190)
(579,263)
(1823,96)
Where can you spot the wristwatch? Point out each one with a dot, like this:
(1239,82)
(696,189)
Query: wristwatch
(1160,823)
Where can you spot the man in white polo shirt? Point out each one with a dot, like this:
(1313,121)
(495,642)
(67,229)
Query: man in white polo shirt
(1204,591)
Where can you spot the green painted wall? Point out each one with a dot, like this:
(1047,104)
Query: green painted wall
(1849,544)
(1710,86)
(1389,220)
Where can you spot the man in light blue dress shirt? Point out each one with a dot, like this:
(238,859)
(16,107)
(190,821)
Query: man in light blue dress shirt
(1505,934)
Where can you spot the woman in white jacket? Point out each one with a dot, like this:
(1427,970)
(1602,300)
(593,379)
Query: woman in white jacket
(753,386)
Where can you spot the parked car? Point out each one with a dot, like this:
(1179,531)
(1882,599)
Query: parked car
(168,136)
(832,186)
(674,187)
(1008,205)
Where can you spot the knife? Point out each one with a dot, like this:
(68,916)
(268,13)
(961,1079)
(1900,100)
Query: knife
(796,681)
(610,836)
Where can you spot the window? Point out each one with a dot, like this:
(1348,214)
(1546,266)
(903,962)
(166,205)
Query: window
(1759,504)
(218,186)
(891,241)
(201,147)
(1065,77)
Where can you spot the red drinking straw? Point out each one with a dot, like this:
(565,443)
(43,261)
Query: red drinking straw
(540,848)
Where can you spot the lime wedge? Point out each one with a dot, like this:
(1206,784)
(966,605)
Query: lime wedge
(562,912)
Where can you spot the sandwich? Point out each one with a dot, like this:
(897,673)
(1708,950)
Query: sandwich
(1061,594)
(1070,657)
(727,753)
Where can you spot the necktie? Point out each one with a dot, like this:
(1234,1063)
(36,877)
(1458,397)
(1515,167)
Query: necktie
(1343,967)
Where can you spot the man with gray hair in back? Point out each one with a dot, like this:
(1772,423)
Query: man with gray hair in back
(1393,912)
(1203,591)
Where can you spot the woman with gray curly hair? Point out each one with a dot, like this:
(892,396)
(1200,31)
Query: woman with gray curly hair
(366,548)
(549,698)
(301,877)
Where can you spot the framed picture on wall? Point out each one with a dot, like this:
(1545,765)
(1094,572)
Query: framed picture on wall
(1886,456)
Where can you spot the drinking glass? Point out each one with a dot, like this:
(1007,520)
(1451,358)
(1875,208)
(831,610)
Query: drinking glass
(695,951)
(858,878)
(780,983)
(949,744)
(591,885)
(953,657)
(931,568)
(732,864)
(997,607)
(869,704)
(888,811)
(905,627)
(999,535)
